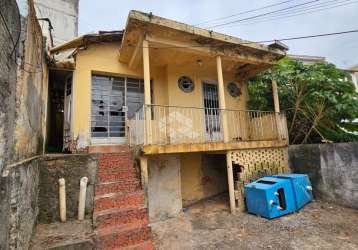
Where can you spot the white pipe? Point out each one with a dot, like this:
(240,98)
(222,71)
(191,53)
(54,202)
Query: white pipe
(82,198)
(62,194)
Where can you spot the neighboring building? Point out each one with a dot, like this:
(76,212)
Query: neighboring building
(178,94)
(58,20)
(307,59)
(353,71)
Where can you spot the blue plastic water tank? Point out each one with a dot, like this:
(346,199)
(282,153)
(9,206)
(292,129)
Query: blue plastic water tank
(270,197)
(301,186)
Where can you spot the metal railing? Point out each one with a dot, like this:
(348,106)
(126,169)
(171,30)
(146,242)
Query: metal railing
(163,125)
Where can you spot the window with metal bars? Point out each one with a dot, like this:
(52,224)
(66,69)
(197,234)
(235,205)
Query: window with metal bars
(113,99)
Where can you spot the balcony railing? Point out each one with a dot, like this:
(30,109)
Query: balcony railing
(163,125)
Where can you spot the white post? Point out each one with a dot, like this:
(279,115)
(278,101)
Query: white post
(82,198)
(62,194)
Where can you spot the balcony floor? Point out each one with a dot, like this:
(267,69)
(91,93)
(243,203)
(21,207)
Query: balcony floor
(211,146)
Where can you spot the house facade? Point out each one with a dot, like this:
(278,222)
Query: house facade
(177,95)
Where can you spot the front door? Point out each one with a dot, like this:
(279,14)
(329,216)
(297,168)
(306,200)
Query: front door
(212,112)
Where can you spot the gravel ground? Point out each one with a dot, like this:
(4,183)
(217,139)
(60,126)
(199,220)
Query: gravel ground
(209,225)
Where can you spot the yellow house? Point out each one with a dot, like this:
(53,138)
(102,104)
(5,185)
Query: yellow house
(176,94)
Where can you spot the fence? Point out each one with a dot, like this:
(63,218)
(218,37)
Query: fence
(162,125)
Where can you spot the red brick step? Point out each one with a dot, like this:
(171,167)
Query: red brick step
(146,245)
(122,236)
(122,186)
(118,200)
(120,216)
(116,176)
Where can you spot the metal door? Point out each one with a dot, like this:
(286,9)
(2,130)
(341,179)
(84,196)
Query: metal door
(211,111)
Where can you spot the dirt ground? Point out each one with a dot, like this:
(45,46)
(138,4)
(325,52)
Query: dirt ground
(209,225)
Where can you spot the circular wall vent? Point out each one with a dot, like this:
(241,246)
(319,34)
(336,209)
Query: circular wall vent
(233,89)
(185,84)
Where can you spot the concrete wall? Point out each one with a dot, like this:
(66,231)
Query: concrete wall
(164,192)
(18,206)
(202,176)
(332,168)
(23,98)
(72,168)
(8,68)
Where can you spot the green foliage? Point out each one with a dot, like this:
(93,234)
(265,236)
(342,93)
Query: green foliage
(319,100)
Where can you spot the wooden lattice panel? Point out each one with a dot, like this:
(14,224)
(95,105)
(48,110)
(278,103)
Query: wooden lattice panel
(256,163)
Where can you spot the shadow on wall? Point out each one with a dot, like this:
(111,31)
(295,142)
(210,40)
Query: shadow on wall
(332,168)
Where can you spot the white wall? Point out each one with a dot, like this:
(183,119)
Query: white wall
(64,18)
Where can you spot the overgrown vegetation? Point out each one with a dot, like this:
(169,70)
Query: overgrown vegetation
(319,100)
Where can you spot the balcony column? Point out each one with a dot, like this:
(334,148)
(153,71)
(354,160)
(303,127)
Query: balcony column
(276,104)
(147,97)
(222,103)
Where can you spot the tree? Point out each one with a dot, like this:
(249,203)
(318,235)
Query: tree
(319,100)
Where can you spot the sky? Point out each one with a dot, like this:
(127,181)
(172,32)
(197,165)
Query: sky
(95,15)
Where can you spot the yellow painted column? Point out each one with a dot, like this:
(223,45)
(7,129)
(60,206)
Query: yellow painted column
(147,99)
(230,180)
(222,102)
(146,69)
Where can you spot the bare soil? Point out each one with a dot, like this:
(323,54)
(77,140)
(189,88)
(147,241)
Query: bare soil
(209,225)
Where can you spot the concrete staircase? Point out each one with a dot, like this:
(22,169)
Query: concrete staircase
(120,217)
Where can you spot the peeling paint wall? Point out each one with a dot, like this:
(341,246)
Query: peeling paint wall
(8,67)
(164,192)
(31,91)
(23,100)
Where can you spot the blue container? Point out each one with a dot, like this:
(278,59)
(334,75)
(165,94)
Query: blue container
(301,186)
(270,197)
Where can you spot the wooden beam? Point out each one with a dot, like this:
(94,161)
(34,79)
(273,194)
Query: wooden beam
(206,49)
(133,61)
(276,103)
(230,180)
(275,96)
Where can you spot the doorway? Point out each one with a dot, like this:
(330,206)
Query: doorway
(211,112)
(58,110)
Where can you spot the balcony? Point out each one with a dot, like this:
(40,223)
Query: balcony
(170,129)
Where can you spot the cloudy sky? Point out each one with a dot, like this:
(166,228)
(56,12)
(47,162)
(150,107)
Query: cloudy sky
(321,16)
